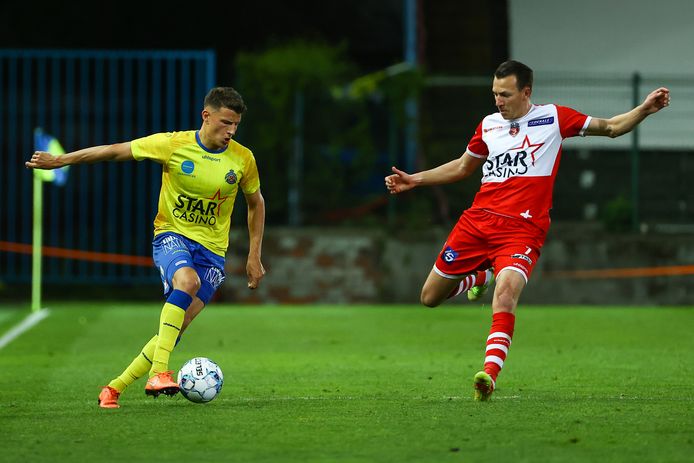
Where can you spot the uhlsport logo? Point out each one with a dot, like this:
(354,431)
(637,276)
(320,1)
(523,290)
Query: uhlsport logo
(449,255)
(187,167)
(231,177)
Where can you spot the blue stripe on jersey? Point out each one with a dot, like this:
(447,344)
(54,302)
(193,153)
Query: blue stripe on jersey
(197,139)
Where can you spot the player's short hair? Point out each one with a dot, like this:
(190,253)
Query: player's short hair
(225,97)
(524,75)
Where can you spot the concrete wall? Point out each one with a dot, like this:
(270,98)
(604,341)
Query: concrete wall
(617,37)
(363,266)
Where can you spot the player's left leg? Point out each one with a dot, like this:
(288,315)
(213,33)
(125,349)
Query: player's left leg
(197,274)
(172,254)
(141,364)
(515,260)
(210,270)
(508,289)
(514,250)
(193,311)
(185,285)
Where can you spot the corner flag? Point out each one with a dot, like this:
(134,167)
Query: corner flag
(50,144)
(42,142)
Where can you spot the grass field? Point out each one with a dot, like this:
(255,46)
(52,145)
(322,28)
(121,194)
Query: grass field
(356,384)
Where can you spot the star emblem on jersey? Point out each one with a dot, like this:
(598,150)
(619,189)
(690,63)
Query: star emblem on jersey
(219,199)
(526,144)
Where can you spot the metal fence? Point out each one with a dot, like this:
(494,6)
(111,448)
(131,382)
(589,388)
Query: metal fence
(87,98)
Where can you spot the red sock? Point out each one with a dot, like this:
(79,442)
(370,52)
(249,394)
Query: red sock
(474,279)
(498,342)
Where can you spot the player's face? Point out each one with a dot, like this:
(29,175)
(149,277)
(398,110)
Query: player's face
(511,102)
(220,125)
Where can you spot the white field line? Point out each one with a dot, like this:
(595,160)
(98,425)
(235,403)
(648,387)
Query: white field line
(443,398)
(23,326)
(348,398)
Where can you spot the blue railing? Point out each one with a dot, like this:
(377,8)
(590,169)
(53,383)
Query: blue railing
(86,98)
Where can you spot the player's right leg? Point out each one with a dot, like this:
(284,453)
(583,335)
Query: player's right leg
(457,267)
(480,289)
(108,398)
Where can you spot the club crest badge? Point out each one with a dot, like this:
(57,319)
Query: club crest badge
(515,128)
(230,177)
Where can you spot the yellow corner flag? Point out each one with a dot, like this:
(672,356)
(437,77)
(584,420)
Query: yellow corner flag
(50,144)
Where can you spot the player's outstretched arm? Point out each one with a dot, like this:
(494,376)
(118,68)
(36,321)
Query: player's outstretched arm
(115,152)
(625,123)
(256,226)
(400,181)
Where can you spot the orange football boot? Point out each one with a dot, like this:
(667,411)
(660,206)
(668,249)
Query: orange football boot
(108,397)
(161,383)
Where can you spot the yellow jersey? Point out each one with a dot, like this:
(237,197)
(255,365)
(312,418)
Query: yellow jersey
(198,185)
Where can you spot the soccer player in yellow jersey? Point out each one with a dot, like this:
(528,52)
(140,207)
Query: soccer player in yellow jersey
(202,172)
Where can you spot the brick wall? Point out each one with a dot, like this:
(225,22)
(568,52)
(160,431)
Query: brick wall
(363,266)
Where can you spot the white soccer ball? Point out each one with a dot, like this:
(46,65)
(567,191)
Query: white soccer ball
(200,380)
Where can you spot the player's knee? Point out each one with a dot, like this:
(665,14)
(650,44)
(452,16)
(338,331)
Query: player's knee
(188,284)
(505,301)
(428,299)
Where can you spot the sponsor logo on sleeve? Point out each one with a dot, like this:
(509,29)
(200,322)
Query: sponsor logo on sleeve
(542,121)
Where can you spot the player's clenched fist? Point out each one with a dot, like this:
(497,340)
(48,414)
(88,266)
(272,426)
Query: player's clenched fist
(399,181)
(43,160)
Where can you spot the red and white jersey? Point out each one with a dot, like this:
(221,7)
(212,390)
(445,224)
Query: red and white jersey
(522,158)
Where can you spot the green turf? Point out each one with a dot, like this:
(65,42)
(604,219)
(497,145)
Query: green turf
(358,384)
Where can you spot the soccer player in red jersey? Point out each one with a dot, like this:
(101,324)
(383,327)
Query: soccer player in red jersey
(519,149)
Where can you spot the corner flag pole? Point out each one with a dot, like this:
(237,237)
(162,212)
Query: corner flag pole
(37,241)
(42,142)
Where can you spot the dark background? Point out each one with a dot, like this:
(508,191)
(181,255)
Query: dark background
(459,37)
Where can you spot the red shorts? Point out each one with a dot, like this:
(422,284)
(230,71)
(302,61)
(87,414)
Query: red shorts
(482,239)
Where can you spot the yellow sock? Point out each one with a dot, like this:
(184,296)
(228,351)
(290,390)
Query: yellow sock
(170,324)
(137,368)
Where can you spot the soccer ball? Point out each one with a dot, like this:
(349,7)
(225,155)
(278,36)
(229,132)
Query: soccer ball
(200,380)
